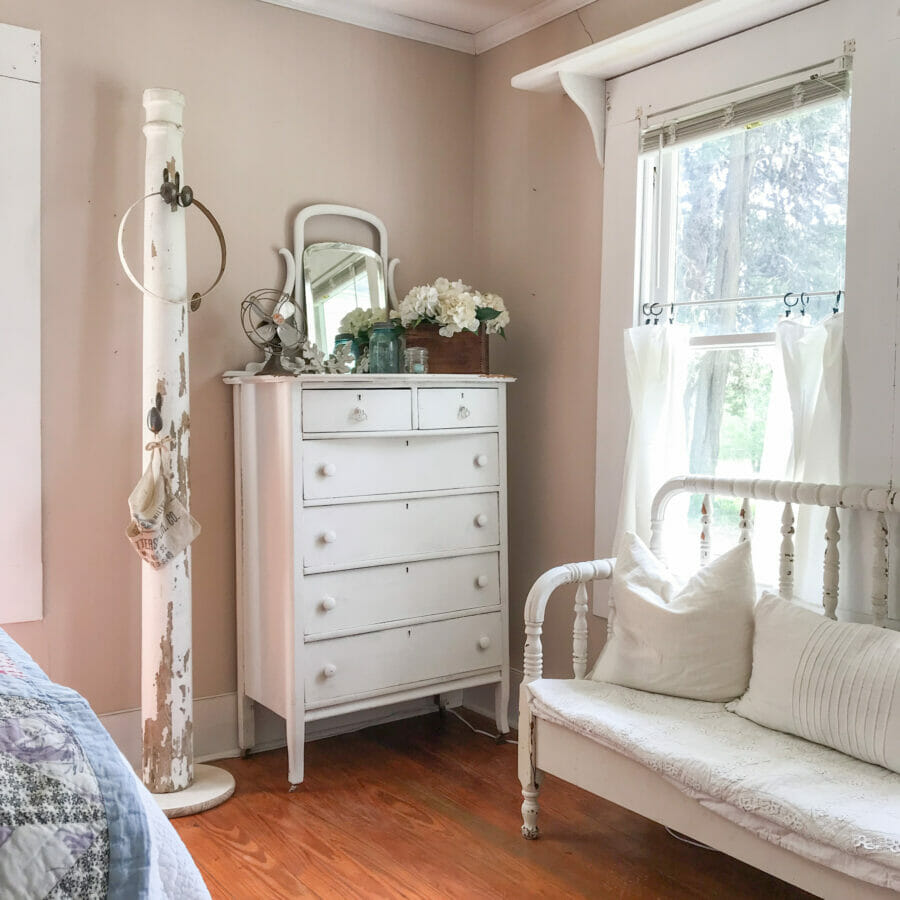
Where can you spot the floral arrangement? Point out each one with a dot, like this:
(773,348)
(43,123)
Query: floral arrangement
(359,323)
(453,306)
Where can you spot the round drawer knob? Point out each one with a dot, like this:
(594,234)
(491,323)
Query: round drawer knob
(328,603)
(481,460)
(484,642)
(464,412)
(329,469)
(359,414)
(329,670)
(329,537)
(481,520)
(481,581)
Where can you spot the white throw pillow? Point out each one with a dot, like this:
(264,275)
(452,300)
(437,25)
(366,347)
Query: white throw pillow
(693,641)
(835,683)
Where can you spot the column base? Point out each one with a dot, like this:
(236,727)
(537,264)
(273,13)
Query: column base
(210,787)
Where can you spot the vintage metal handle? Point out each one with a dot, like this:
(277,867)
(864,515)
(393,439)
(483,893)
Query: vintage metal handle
(190,200)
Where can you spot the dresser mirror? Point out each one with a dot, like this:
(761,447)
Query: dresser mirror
(338,279)
(329,279)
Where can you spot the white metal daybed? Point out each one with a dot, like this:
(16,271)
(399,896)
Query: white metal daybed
(803,812)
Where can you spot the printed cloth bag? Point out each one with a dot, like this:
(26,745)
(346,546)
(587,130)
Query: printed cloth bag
(160,526)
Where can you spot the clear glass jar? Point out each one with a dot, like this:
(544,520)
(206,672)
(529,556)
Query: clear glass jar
(416,360)
(345,338)
(385,350)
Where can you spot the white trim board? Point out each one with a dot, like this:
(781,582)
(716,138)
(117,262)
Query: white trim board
(21,571)
(357,12)
(215,722)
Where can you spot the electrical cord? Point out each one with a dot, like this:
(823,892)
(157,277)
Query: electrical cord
(686,840)
(496,738)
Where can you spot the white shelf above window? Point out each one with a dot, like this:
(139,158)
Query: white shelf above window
(583,74)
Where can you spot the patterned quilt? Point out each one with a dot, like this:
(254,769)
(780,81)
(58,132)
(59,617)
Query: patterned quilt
(72,822)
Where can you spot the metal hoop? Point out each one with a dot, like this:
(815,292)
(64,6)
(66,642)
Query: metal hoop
(194,299)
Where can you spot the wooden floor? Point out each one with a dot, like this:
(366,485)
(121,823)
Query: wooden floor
(426,808)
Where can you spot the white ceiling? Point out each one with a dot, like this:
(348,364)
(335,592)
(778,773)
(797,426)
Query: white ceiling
(471,26)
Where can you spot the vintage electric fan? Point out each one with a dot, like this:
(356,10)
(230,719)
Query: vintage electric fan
(269,318)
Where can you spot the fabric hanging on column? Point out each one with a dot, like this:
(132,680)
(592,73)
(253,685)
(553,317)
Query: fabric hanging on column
(656,365)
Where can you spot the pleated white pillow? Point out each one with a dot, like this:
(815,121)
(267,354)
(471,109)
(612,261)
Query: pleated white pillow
(691,641)
(835,683)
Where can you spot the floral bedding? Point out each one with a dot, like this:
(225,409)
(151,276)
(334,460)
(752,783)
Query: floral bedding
(72,821)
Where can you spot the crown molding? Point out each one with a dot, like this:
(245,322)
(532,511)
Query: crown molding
(355,13)
(525,21)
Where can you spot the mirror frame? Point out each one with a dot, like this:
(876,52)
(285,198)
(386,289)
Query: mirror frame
(295,281)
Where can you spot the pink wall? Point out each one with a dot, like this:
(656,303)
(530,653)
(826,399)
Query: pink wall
(283,110)
(538,201)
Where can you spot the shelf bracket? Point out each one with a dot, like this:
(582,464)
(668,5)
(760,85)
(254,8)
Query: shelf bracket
(589,95)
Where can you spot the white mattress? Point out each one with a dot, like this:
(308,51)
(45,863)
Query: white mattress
(814,801)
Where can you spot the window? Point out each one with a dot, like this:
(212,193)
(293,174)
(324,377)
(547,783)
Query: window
(740,205)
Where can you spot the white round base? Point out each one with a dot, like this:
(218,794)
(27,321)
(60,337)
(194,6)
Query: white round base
(210,787)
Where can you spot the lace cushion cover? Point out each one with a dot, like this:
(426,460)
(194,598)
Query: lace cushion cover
(821,804)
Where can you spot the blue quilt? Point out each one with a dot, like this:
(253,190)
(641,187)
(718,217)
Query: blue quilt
(71,819)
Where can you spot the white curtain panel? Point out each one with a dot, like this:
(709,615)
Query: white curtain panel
(656,365)
(812,361)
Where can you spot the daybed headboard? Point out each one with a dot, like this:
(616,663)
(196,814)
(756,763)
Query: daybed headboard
(833,497)
(877,500)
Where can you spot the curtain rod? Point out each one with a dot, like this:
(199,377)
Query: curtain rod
(655,309)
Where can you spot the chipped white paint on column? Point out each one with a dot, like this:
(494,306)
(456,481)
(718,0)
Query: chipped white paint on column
(166,684)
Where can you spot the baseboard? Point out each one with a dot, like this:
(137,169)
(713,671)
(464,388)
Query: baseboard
(215,726)
(481,699)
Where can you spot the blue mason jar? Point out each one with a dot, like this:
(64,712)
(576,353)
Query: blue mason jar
(385,349)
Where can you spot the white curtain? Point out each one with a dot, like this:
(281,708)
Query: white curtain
(656,365)
(812,361)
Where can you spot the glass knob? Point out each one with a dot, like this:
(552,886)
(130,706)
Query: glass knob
(328,603)
(484,642)
(329,537)
(481,581)
(464,412)
(329,469)
(359,414)
(481,520)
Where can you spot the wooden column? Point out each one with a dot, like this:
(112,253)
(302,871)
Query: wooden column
(166,683)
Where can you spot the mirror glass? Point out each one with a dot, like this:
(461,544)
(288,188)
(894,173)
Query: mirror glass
(339,278)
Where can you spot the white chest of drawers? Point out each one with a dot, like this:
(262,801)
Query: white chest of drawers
(371,544)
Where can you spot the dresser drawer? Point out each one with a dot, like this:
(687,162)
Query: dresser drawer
(355,532)
(458,408)
(348,467)
(363,597)
(349,410)
(368,663)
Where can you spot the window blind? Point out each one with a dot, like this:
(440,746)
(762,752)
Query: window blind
(811,90)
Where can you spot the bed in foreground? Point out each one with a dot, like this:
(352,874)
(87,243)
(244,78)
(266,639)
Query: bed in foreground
(75,821)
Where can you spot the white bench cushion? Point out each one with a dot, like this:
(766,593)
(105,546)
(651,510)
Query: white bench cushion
(814,801)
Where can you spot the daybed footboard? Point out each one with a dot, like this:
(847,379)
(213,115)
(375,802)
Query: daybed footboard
(535,608)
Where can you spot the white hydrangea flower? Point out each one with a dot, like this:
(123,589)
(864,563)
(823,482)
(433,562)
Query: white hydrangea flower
(457,313)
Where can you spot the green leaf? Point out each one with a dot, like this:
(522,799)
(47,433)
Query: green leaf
(486,313)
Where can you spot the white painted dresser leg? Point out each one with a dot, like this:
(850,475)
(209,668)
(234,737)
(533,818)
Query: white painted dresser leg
(501,706)
(295,738)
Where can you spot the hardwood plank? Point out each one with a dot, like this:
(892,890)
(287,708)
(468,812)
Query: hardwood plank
(425,808)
